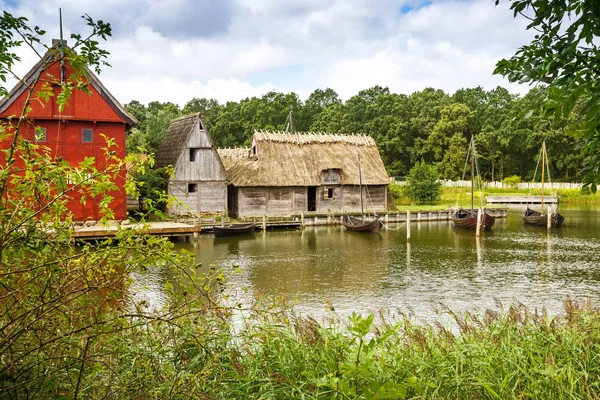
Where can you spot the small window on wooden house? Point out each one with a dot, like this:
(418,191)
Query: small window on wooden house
(87,135)
(193,155)
(328,193)
(40,134)
(192,187)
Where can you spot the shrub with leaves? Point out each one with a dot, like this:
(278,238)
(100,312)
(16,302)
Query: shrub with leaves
(512,181)
(422,183)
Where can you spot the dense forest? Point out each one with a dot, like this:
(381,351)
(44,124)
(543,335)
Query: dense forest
(430,126)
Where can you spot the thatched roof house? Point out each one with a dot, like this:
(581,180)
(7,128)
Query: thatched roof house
(199,180)
(282,172)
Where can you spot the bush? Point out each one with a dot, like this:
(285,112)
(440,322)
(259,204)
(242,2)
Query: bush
(422,185)
(396,190)
(512,181)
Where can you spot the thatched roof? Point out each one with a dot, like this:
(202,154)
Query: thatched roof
(46,60)
(298,159)
(176,139)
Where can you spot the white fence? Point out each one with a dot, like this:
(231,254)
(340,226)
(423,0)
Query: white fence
(522,185)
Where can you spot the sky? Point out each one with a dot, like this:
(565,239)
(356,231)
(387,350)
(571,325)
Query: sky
(175,50)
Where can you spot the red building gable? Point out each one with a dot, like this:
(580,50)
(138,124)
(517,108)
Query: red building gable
(75,132)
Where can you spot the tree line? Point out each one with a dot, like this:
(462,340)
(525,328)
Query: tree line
(428,126)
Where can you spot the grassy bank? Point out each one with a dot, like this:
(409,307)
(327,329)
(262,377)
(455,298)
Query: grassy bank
(275,354)
(450,197)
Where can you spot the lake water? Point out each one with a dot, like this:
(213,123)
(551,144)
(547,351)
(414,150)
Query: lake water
(328,266)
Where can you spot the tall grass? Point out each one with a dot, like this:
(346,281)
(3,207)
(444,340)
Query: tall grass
(451,196)
(514,353)
(276,354)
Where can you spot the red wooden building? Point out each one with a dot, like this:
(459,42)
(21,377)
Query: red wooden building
(75,132)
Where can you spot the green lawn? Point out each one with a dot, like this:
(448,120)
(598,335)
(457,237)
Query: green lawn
(451,197)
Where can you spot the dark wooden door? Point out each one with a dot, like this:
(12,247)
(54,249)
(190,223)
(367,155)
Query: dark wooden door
(311,199)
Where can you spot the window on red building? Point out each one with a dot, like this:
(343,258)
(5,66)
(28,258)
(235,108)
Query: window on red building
(87,135)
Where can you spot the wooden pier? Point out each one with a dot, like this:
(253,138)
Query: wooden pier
(100,231)
(521,199)
(193,227)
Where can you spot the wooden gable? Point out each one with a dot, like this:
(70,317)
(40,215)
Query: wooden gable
(98,106)
(189,148)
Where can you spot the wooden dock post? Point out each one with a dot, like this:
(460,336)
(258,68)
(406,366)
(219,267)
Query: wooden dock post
(478,229)
(549,217)
(264,222)
(302,219)
(408,225)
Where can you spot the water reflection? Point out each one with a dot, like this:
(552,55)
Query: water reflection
(364,273)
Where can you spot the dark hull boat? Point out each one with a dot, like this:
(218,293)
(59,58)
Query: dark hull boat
(536,218)
(358,225)
(467,219)
(533,217)
(233,229)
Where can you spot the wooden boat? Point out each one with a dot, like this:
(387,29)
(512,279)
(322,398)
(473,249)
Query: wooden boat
(233,229)
(533,217)
(467,219)
(359,225)
(537,218)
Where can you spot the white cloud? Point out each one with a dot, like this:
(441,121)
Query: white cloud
(162,88)
(174,51)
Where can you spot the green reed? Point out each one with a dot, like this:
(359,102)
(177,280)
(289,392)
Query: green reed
(266,351)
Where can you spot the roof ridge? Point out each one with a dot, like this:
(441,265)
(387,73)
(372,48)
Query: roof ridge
(358,139)
(194,115)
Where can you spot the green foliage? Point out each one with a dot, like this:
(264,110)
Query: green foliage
(512,180)
(563,56)
(71,327)
(422,185)
(427,125)
(66,321)
(396,190)
(148,184)
(154,121)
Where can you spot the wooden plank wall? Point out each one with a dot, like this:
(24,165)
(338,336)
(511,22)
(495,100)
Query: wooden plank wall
(207,166)
(300,199)
(179,191)
(258,201)
(252,201)
(212,196)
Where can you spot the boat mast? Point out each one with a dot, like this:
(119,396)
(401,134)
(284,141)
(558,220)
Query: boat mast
(362,211)
(289,128)
(472,173)
(543,165)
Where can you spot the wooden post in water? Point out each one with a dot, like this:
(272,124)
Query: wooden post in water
(478,229)
(549,217)
(408,225)
(264,222)
(302,218)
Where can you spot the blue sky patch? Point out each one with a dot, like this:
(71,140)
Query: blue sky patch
(405,9)
(282,76)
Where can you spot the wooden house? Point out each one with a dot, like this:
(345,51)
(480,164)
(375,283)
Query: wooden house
(199,181)
(284,174)
(75,132)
